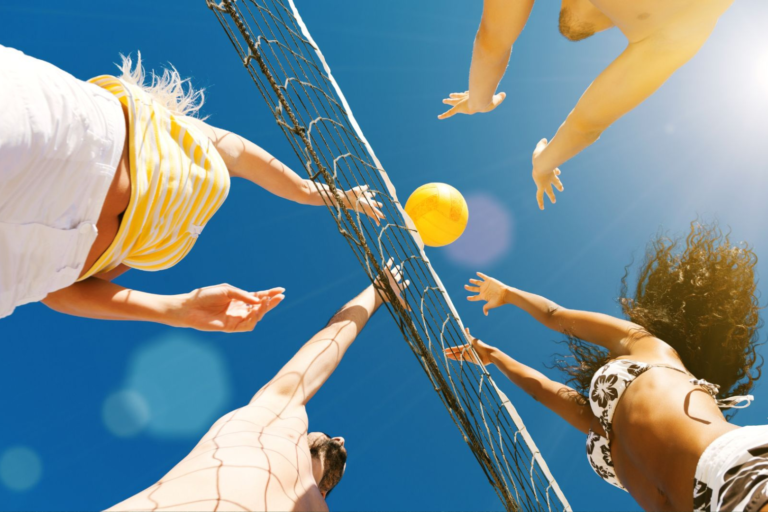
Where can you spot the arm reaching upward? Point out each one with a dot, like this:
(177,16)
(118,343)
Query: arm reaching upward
(501,24)
(244,159)
(628,81)
(298,381)
(612,333)
(559,398)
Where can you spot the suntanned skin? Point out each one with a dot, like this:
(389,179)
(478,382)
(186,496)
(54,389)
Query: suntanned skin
(258,457)
(214,308)
(661,36)
(657,440)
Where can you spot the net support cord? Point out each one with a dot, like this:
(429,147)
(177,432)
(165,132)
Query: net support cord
(401,314)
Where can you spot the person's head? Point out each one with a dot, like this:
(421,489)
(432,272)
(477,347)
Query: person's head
(697,294)
(329,459)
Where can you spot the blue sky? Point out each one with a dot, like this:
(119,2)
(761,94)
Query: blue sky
(96,411)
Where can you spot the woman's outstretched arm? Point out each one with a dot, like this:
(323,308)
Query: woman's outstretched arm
(244,159)
(214,308)
(559,398)
(607,331)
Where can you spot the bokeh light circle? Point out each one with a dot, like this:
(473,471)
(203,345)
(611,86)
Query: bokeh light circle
(20,468)
(125,413)
(185,383)
(488,236)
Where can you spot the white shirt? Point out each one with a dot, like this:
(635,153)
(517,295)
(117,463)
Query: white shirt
(61,140)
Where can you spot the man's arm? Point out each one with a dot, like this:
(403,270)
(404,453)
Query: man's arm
(298,381)
(500,26)
(636,74)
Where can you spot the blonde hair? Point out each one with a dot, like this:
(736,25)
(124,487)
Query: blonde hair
(167,89)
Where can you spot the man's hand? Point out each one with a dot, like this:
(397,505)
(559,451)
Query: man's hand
(396,281)
(545,179)
(362,199)
(461,104)
(226,308)
(480,355)
(488,289)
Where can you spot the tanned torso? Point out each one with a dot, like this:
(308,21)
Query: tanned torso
(254,458)
(661,426)
(642,18)
(115,204)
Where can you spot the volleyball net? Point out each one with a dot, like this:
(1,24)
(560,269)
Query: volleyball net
(291,74)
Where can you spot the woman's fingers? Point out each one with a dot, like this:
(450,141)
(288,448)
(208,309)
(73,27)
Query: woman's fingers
(474,298)
(540,198)
(482,276)
(237,293)
(268,293)
(473,289)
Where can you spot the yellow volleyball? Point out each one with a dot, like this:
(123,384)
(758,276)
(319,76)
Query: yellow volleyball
(439,212)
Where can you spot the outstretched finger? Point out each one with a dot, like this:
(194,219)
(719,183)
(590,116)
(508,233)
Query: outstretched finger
(474,298)
(451,354)
(550,193)
(268,293)
(268,306)
(473,289)
(476,281)
(237,293)
(540,198)
(449,113)
(482,276)
(457,94)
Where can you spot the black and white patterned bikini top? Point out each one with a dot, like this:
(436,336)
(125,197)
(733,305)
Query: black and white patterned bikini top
(608,384)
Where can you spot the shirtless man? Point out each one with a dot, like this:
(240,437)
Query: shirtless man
(662,36)
(260,457)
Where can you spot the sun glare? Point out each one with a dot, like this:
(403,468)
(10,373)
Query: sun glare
(761,72)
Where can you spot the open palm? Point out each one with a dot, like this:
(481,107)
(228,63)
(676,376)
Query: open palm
(459,102)
(226,308)
(488,289)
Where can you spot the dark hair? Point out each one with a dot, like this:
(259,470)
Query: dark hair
(701,300)
(334,458)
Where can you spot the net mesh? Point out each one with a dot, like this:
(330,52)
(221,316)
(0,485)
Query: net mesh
(291,74)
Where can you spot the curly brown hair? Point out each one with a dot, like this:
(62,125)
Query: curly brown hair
(701,300)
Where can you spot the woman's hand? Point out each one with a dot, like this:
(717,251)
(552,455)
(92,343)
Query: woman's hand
(480,355)
(460,104)
(362,199)
(545,179)
(226,308)
(490,290)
